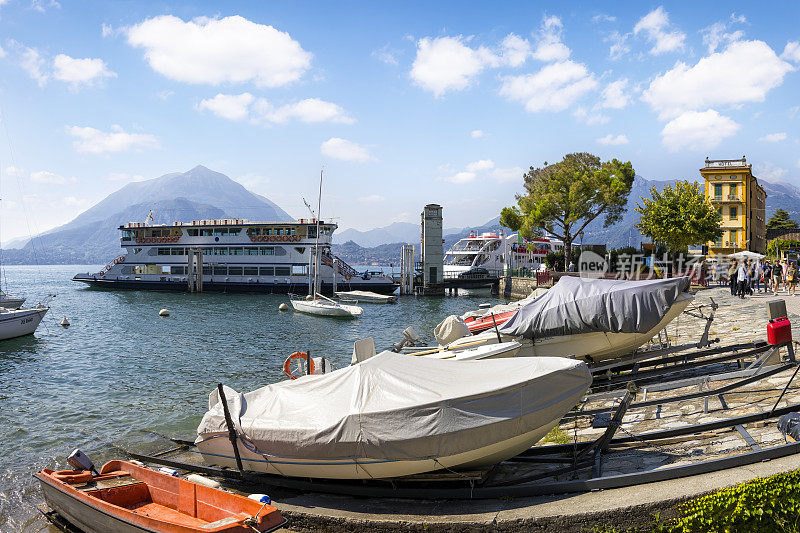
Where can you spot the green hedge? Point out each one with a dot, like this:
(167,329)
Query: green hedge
(761,505)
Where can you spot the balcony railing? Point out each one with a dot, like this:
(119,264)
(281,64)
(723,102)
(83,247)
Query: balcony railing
(726,198)
(733,198)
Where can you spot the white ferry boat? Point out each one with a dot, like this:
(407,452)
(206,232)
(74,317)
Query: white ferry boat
(493,252)
(237,256)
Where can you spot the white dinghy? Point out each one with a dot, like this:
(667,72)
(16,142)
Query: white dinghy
(324,306)
(393,415)
(366,296)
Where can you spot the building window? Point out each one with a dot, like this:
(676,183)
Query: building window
(734,212)
(718,191)
(734,238)
(733,189)
(719,212)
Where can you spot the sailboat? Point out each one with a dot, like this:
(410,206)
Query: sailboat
(318,304)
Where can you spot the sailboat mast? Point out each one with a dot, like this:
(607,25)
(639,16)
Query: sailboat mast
(316,245)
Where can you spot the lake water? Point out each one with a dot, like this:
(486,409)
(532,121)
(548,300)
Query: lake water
(120,370)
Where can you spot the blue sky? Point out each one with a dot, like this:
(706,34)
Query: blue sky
(404,104)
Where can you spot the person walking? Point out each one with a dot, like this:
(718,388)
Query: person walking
(743,279)
(732,274)
(758,271)
(792,278)
(766,272)
(784,275)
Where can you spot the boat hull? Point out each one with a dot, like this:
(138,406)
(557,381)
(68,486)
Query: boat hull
(87,518)
(217,451)
(12,303)
(227,287)
(338,310)
(20,322)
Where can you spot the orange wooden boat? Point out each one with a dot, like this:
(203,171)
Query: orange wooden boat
(480,324)
(129,498)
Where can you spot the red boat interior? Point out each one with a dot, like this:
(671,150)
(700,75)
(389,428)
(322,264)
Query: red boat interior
(169,500)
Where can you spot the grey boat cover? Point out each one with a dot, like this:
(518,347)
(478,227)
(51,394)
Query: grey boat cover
(400,407)
(583,305)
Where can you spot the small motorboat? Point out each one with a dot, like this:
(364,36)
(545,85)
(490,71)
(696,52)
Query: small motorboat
(124,497)
(20,322)
(366,297)
(479,324)
(324,306)
(392,415)
(478,350)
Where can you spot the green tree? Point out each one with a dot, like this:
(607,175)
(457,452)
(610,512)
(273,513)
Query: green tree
(780,219)
(678,216)
(563,198)
(781,244)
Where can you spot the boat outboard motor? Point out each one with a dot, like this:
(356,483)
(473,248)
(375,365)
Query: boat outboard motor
(80,461)
(410,338)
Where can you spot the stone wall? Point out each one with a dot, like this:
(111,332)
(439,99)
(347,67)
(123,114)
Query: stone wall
(516,288)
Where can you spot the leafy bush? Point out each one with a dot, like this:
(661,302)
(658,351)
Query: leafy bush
(761,505)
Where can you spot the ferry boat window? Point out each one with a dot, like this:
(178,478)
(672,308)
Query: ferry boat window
(220,271)
(163,251)
(279,250)
(208,251)
(127,234)
(179,270)
(251,271)
(206,270)
(312,232)
(300,249)
(254,231)
(236,251)
(137,250)
(234,271)
(266,271)
(290,231)
(178,251)
(299,270)
(279,231)
(267,232)
(251,250)
(206,232)
(220,231)
(235,231)
(220,251)
(193,232)
(267,250)
(281,271)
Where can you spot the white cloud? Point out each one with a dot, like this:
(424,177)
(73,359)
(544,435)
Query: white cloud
(124,176)
(345,150)
(480,165)
(165,94)
(792,52)
(229,106)
(2,52)
(550,47)
(769,171)
(15,172)
(106,30)
(461,178)
(603,18)
(371,199)
(477,134)
(87,71)
(611,140)
(50,178)
(717,34)
(76,202)
(554,88)
(93,141)
(310,110)
(448,64)
(658,30)
(515,50)
(616,95)
(215,51)
(505,175)
(33,63)
(619,44)
(710,83)
(773,138)
(697,131)
(42,5)
(387,55)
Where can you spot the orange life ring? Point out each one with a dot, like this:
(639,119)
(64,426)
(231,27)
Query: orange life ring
(73,476)
(122,259)
(287,365)
(347,276)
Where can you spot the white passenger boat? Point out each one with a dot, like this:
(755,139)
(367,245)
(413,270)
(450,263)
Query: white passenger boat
(20,322)
(237,256)
(494,252)
(430,415)
(366,296)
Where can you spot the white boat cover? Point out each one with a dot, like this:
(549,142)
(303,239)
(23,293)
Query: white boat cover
(451,329)
(399,407)
(581,305)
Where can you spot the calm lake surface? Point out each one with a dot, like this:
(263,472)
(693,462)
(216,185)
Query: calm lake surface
(120,370)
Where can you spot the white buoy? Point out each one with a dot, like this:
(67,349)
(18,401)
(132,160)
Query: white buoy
(163,312)
(64,322)
(202,480)
(283,307)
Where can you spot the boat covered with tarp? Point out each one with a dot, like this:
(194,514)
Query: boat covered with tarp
(393,415)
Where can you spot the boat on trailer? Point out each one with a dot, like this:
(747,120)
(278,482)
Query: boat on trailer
(430,415)
(126,498)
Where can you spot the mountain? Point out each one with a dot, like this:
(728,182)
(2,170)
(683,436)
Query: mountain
(397,232)
(782,196)
(93,236)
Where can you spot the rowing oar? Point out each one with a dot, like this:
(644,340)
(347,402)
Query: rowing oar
(231,430)
(446,348)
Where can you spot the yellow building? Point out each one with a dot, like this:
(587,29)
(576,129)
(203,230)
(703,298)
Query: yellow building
(733,189)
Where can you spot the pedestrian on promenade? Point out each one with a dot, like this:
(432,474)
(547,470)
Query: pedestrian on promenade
(743,279)
(784,275)
(766,272)
(732,274)
(758,271)
(792,278)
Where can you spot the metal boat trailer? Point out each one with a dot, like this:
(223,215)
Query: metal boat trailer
(559,465)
